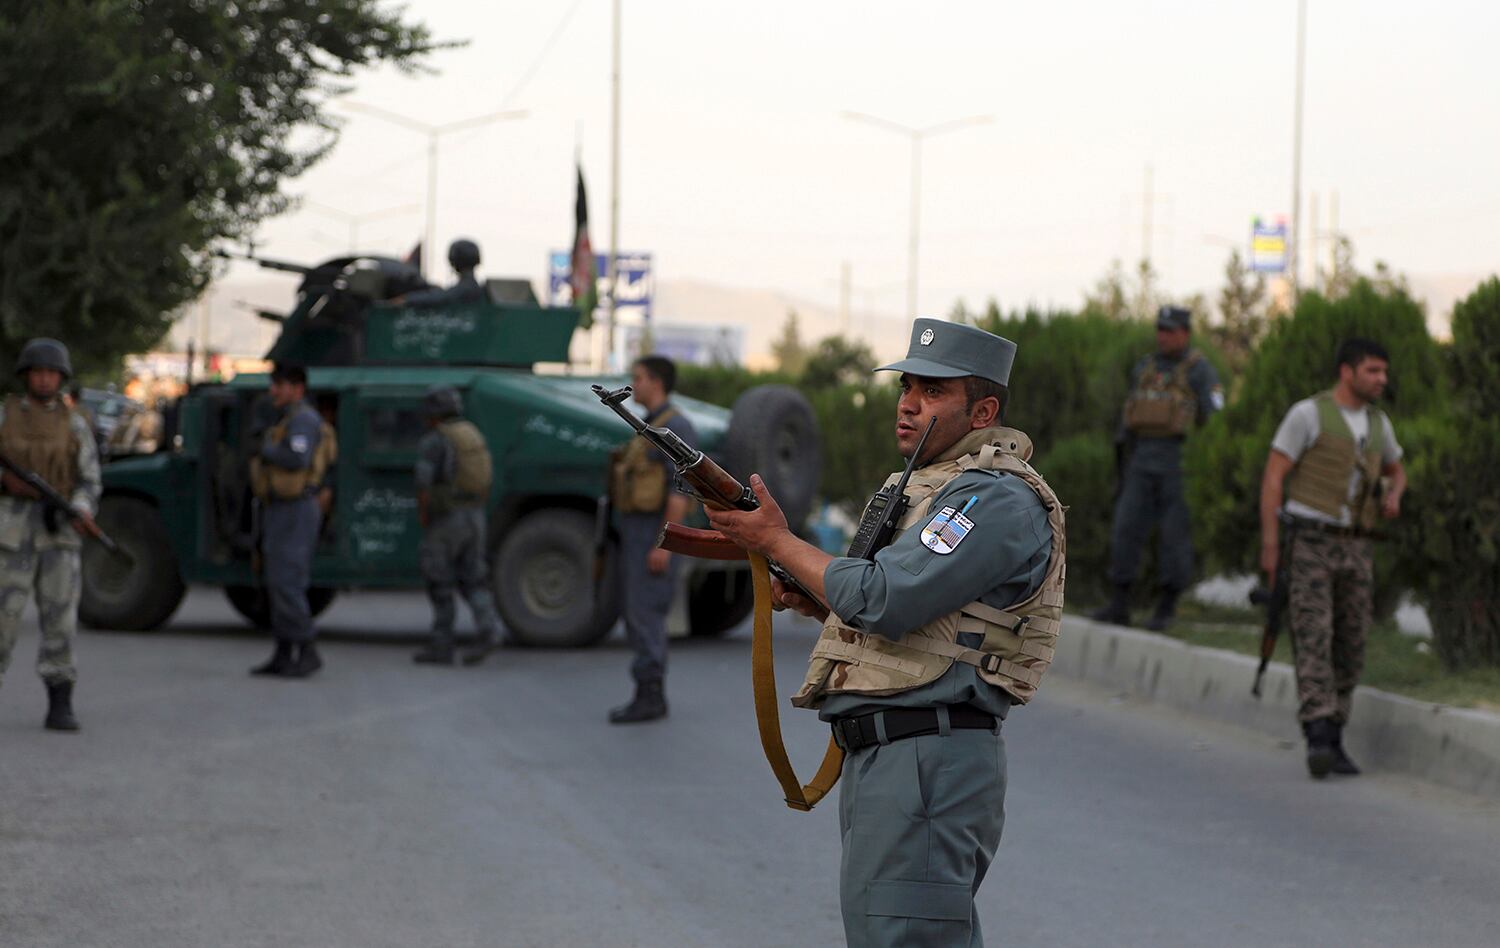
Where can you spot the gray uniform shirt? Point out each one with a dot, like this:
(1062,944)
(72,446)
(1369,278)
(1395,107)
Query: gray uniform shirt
(1165,454)
(1000,562)
(1300,428)
(16,512)
(466,290)
(304,430)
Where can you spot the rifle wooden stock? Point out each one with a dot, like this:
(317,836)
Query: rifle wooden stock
(716,487)
(704,544)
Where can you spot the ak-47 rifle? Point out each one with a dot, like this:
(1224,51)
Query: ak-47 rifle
(57,505)
(705,480)
(1275,600)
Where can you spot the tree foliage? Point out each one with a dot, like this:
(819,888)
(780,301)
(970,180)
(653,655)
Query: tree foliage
(1242,313)
(789,350)
(137,134)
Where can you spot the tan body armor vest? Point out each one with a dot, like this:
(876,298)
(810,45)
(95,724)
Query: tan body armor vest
(472,469)
(1162,404)
(637,481)
(1323,474)
(269,482)
(41,440)
(1018,642)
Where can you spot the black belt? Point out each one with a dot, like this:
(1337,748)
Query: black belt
(1332,529)
(861,730)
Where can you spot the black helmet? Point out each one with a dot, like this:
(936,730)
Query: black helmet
(463,254)
(45,354)
(443,401)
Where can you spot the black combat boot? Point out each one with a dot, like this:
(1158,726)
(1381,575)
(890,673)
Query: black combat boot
(435,653)
(1342,765)
(1166,608)
(280,660)
(481,649)
(1118,610)
(649,703)
(60,707)
(306,662)
(1320,737)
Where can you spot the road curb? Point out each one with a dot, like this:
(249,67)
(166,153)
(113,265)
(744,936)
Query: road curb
(1455,747)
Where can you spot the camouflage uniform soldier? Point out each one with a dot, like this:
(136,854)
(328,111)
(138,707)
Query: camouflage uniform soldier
(926,647)
(39,433)
(1172,390)
(453,484)
(1334,468)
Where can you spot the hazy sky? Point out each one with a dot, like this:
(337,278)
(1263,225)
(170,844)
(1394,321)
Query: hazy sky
(738,169)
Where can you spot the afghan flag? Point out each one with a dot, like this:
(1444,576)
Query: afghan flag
(582,279)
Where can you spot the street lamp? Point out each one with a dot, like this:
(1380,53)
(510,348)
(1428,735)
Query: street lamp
(353,220)
(1294,261)
(916,135)
(433,133)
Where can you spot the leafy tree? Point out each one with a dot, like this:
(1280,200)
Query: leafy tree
(790,353)
(838,361)
(137,134)
(1242,308)
(1109,297)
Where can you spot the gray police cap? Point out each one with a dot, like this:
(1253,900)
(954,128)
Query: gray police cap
(944,350)
(1174,317)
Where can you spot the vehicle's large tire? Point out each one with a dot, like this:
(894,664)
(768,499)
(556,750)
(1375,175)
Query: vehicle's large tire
(254,603)
(719,601)
(774,433)
(137,592)
(544,581)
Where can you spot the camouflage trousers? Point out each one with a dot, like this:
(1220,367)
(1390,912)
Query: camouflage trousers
(1330,580)
(52,572)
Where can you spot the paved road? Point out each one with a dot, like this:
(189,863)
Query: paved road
(384,804)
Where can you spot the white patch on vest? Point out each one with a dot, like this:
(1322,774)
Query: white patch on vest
(298,443)
(1217,398)
(927,337)
(946,531)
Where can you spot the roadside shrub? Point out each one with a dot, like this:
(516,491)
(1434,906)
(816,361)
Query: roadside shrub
(1080,469)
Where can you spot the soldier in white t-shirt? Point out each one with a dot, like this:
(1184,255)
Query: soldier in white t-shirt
(1334,470)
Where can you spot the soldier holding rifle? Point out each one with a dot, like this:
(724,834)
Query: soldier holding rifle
(928,643)
(39,553)
(1320,499)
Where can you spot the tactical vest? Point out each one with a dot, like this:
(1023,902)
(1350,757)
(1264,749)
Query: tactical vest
(1323,474)
(1162,404)
(1018,641)
(637,481)
(269,482)
(41,439)
(472,471)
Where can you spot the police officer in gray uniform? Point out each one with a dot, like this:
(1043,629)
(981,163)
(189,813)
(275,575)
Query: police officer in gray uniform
(643,493)
(39,552)
(926,646)
(286,475)
(453,480)
(1172,390)
(463,257)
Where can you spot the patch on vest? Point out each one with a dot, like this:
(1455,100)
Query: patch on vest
(946,531)
(298,443)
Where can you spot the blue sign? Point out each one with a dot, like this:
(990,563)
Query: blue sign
(1268,246)
(633,273)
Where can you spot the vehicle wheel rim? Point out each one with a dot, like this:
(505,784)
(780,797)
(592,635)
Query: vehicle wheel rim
(548,584)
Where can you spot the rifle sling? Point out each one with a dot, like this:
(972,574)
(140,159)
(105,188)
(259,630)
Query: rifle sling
(767,718)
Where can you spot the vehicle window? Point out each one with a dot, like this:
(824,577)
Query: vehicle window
(393,428)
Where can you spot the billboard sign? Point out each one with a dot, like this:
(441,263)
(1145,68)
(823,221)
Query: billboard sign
(633,271)
(1268,246)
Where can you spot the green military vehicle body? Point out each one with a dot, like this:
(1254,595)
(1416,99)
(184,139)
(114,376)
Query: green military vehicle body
(186,516)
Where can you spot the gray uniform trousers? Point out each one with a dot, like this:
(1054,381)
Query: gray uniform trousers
(452,556)
(1150,496)
(921,821)
(290,536)
(48,565)
(647,595)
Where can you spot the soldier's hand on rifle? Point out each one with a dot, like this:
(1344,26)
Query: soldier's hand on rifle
(16,487)
(1390,505)
(1270,558)
(86,527)
(657,561)
(782,598)
(754,530)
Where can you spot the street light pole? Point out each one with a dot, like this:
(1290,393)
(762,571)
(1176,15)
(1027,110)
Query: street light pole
(433,133)
(1294,261)
(353,220)
(611,274)
(915,216)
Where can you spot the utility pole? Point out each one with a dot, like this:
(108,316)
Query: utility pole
(614,189)
(1148,212)
(1293,260)
(844,280)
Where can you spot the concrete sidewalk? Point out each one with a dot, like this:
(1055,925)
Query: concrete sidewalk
(1454,747)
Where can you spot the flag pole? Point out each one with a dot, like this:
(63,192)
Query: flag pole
(614,191)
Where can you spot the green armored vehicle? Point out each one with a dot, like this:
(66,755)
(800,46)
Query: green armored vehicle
(186,516)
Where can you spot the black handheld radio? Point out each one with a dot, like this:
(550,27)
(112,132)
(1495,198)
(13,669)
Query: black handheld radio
(886,508)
